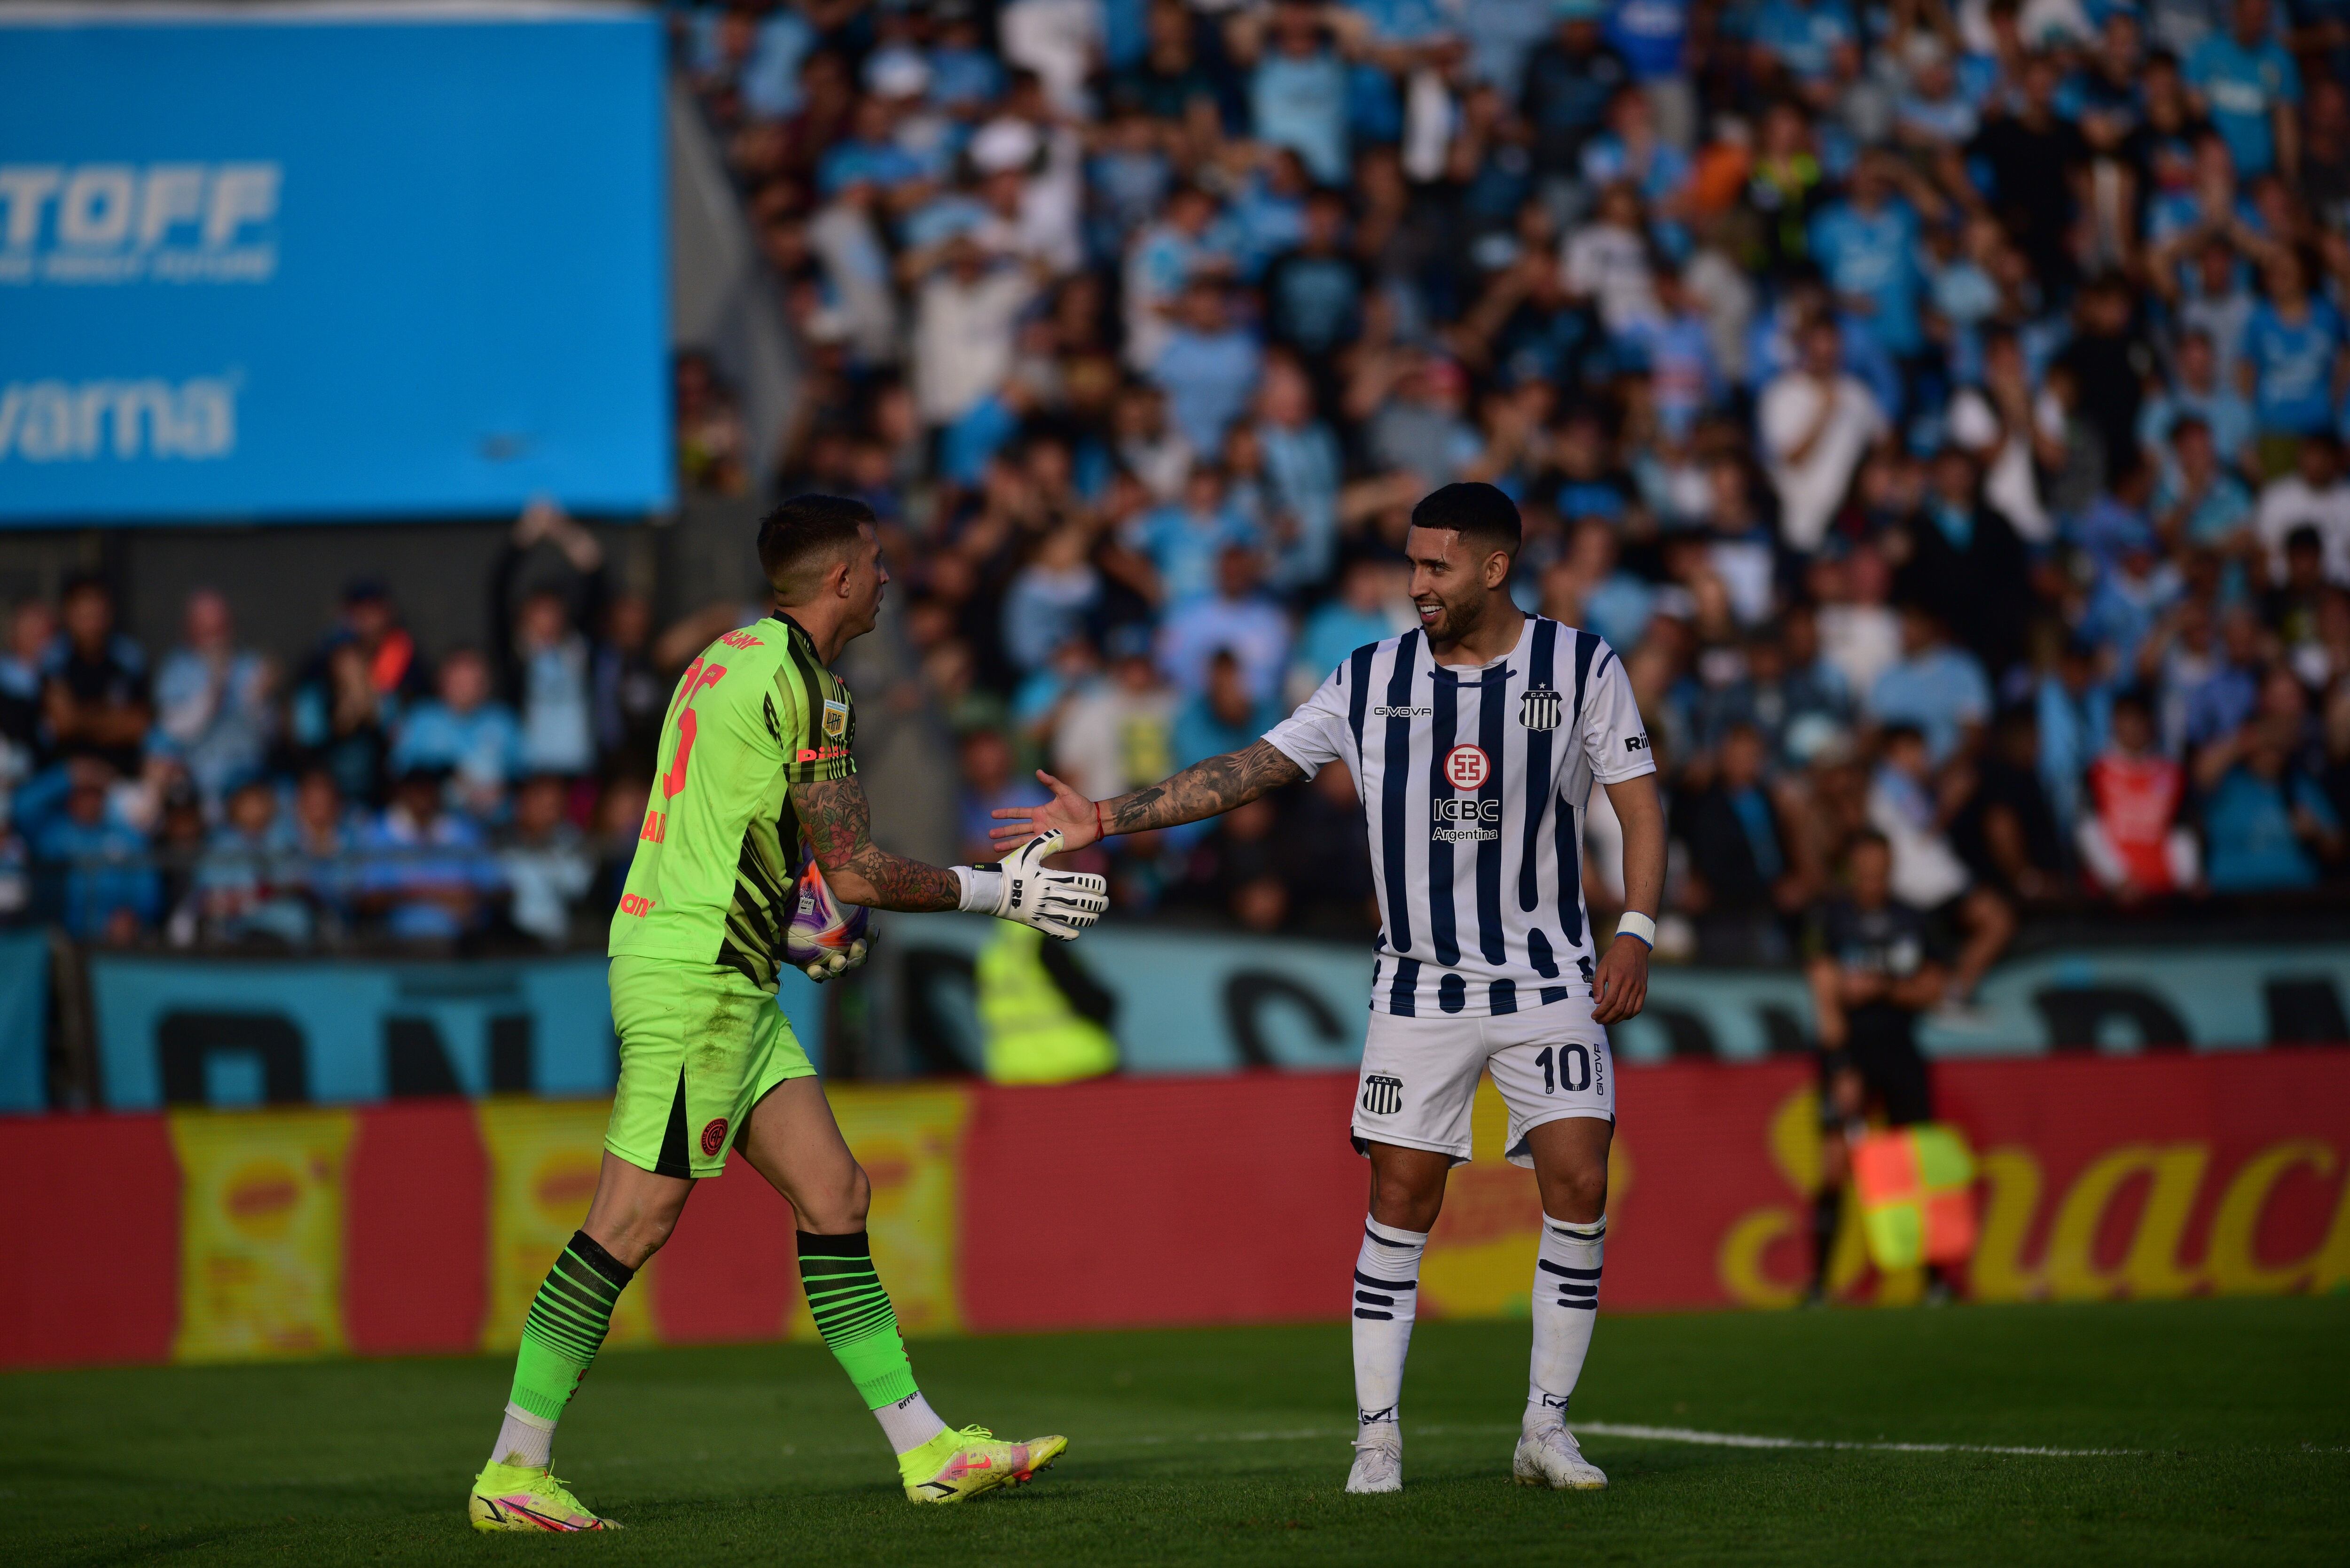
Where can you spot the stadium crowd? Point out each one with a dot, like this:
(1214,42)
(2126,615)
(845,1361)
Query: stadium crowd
(1940,407)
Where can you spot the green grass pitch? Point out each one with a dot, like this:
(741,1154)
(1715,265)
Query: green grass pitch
(1230,1445)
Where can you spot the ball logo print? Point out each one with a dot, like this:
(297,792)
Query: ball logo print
(1468,767)
(1382,1094)
(713,1138)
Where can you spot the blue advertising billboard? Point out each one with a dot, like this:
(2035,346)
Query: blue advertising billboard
(317,263)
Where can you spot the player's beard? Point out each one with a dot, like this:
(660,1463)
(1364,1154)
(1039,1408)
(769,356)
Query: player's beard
(1456,618)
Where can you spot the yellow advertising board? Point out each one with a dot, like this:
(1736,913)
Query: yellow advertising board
(910,1141)
(261,1233)
(543,1156)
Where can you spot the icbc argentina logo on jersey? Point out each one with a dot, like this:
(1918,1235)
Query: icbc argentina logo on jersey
(1456,819)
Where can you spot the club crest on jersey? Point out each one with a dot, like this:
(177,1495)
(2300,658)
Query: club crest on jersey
(1541,707)
(1468,767)
(835,718)
(1382,1094)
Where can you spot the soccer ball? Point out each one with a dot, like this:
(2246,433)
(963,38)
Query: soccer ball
(825,937)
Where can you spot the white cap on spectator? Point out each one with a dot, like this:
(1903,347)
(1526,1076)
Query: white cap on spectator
(897,72)
(1003,144)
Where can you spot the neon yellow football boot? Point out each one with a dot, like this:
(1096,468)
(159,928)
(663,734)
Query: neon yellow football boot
(515,1497)
(956,1465)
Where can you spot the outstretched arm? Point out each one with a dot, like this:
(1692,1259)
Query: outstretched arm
(861,871)
(1203,789)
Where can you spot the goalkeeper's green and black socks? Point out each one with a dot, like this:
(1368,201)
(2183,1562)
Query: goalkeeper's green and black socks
(854,1314)
(566,1327)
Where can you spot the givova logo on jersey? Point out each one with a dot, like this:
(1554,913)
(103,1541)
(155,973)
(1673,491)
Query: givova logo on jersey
(110,223)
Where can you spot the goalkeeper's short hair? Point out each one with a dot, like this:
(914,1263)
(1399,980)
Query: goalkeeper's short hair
(799,541)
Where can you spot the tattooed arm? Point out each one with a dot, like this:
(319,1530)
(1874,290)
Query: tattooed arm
(861,872)
(1203,789)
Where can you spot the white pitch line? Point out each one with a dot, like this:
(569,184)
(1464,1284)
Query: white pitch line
(1647,1434)
(1752,1440)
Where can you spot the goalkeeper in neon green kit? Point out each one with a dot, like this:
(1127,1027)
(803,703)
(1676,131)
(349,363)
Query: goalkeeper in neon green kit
(754,754)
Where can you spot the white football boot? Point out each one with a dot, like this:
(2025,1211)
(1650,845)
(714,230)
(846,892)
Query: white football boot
(1549,1456)
(1379,1460)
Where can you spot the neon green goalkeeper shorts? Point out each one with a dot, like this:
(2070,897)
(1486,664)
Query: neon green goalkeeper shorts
(700,1044)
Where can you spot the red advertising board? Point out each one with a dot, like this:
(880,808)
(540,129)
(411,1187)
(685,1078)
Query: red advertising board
(417,1227)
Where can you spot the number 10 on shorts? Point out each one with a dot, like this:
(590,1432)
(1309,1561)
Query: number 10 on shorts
(1567,1066)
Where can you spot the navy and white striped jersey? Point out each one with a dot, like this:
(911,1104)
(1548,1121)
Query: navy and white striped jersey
(1474,781)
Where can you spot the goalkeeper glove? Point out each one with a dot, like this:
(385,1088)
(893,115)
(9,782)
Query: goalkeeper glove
(1058,903)
(833,965)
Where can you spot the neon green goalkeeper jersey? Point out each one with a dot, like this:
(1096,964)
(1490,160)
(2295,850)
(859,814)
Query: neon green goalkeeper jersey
(719,858)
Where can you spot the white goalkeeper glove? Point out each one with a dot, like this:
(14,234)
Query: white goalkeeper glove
(832,966)
(1058,903)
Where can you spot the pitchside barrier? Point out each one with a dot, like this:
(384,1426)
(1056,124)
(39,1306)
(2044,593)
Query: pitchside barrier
(230,1032)
(424,1226)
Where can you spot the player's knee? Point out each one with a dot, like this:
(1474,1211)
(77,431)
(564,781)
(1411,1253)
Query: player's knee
(839,1205)
(1581,1190)
(1398,1200)
(859,1198)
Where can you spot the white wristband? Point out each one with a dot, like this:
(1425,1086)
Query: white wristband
(1632,923)
(982,888)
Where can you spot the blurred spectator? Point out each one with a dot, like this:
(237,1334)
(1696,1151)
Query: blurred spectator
(1183,542)
(2130,840)
(463,734)
(2267,825)
(630,696)
(1937,688)
(1224,715)
(426,873)
(32,628)
(989,781)
(1050,597)
(1237,619)
(328,834)
(248,884)
(1742,878)
(214,700)
(109,890)
(1816,423)
(1117,735)
(1209,367)
(2315,495)
(710,443)
(557,701)
(95,692)
(544,861)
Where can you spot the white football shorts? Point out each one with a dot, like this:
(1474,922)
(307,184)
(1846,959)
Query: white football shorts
(1419,1080)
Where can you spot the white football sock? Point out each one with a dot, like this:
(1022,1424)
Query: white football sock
(909,1423)
(523,1439)
(1387,1290)
(1565,1305)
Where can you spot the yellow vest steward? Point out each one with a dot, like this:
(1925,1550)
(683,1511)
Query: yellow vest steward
(1032,1033)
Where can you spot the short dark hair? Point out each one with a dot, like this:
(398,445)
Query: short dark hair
(799,540)
(1481,514)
